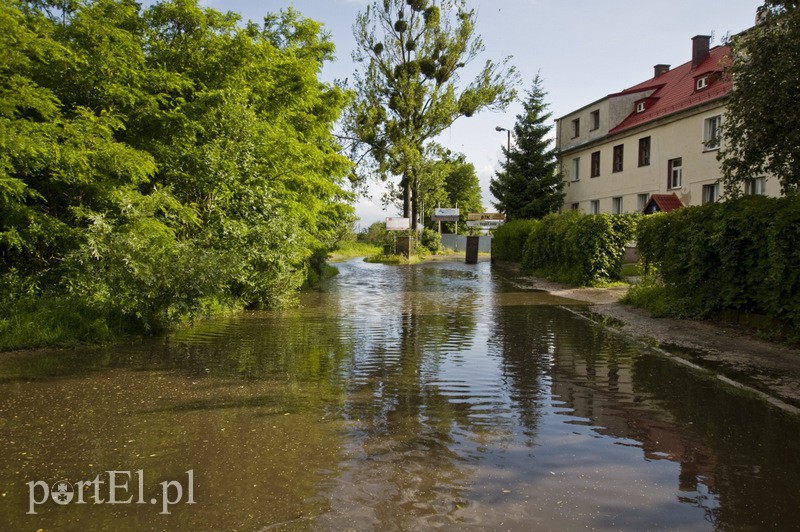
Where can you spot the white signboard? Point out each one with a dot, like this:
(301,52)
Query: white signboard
(398,224)
(445,215)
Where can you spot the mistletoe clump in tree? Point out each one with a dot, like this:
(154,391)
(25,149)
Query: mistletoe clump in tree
(529,185)
(411,52)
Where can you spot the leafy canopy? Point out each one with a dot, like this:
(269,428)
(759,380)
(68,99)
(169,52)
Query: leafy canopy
(158,162)
(760,130)
(408,87)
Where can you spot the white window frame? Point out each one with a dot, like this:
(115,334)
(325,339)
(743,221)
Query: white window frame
(702,83)
(640,107)
(642,200)
(675,173)
(616,205)
(710,193)
(594,207)
(711,133)
(576,169)
(757,187)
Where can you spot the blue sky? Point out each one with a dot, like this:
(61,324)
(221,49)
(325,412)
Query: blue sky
(583,50)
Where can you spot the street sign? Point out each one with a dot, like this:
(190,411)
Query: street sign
(398,224)
(485,224)
(445,215)
(477,216)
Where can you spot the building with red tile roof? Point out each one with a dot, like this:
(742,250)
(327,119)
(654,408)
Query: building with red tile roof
(659,137)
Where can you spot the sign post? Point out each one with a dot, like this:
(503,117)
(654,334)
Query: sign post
(404,244)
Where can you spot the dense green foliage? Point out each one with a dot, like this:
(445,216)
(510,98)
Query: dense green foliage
(410,55)
(760,129)
(509,240)
(529,186)
(574,248)
(580,249)
(431,240)
(448,180)
(156,164)
(740,255)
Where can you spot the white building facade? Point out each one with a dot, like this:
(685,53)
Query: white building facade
(658,139)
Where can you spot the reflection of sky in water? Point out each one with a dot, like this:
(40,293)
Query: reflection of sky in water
(398,398)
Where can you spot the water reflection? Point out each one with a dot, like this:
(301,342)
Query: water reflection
(398,398)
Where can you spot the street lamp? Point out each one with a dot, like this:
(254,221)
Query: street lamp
(508,144)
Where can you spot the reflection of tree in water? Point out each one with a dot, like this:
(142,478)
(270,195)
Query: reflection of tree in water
(416,424)
(524,337)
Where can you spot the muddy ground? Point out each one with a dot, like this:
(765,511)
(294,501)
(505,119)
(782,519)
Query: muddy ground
(735,354)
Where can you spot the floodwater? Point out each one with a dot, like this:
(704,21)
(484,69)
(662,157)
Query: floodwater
(396,398)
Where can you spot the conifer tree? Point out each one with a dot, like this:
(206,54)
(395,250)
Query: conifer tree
(529,185)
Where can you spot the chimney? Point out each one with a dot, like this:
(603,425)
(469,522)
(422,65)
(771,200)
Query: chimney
(660,70)
(700,49)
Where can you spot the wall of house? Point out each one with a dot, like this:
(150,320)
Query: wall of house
(566,140)
(669,139)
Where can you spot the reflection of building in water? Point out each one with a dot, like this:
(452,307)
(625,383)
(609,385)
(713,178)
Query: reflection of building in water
(604,390)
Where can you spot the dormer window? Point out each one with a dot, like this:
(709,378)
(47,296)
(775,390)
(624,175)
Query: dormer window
(640,107)
(702,83)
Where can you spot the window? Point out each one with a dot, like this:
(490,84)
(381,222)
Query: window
(644,151)
(757,187)
(616,205)
(576,128)
(574,207)
(595,120)
(702,83)
(711,133)
(675,173)
(641,201)
(595,164)
(618,158)
(640,107)
(594,207)
(576,169)
(710,193)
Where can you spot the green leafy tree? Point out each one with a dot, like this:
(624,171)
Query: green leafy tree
(59,163)
(244,134)
(157,163)
(760,132)
(529,186)
(448,180)
(408,88)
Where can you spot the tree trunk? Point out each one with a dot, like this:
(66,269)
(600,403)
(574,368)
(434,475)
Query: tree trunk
(414,204)
(406,185)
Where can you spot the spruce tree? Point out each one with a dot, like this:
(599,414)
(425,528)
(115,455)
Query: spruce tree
(529,185)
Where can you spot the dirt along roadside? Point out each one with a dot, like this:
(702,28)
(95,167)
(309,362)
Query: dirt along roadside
(736,355)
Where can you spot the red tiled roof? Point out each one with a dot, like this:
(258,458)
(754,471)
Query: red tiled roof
(675,89)
(664,202)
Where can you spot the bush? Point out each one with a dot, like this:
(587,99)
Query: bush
(509,240)
(431,240)
(740,255)
(577,248)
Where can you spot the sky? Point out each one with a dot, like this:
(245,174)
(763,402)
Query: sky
(582,49)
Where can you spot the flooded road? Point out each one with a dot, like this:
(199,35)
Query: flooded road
(396,398)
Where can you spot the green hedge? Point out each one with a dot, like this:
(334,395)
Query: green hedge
(578,248)
(509,240)
(741,255)
(570,247)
